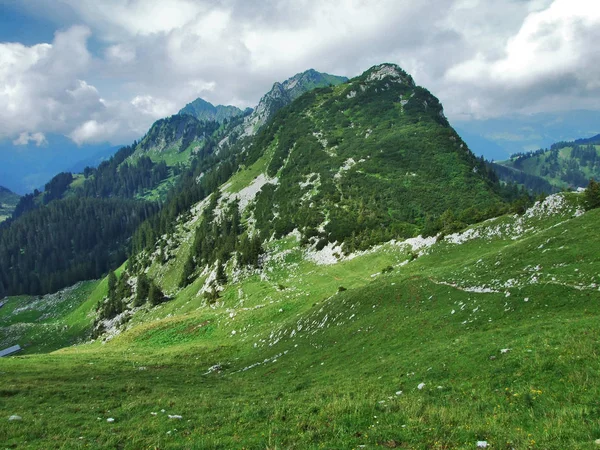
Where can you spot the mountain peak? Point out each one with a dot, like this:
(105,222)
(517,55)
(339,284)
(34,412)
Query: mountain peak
(203,110)
(282,94)
(390,71)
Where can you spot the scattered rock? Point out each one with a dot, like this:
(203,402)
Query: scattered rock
(482,444)
(110,420)
(11,418)
(175,416)
(421,386)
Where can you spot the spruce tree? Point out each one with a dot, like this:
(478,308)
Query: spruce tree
(592,195)
(221,276)
(142,291)
(155,295)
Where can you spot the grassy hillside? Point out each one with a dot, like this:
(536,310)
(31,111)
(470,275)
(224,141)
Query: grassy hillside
(565,165)
(8,201)
(487,335)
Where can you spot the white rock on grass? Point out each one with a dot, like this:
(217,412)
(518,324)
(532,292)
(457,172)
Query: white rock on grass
(15,417)
(110,420)
(421,386)
(482,444)
(175,416)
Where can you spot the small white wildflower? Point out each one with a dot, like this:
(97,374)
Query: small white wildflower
(154,414)
(110,420)
(398,392)
(421,386)
(233,332)
(526,299)
(482,444)
(453,311)
(504,350)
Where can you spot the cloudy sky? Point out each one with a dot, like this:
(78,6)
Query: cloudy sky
(105,70)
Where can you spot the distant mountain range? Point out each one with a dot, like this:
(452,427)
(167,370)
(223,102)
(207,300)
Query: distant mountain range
(24,168)
(563,165)
(498,138)
(203,110)
(8,201)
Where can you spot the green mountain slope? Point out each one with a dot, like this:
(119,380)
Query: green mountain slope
(366,161)
(8,202)
(203,110)
(564,165)
(488,335)
(285,297)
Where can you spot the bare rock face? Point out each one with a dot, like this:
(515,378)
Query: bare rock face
(282,94)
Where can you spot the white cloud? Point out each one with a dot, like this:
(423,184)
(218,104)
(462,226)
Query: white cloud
(153,107)
(25,138)
(481,58)
(548,63)
(93,131)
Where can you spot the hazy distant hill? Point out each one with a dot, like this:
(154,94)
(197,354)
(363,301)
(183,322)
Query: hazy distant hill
(203,110)
(563,165)
(8,201)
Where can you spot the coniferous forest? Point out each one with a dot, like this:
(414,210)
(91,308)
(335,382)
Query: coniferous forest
(67,241)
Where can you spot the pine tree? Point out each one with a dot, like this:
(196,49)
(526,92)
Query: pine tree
(221,276)
(155,295)
(592,195)
(142,291)
(188,270)
(112,285)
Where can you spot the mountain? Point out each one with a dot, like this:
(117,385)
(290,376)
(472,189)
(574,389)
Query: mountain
(329,281)
(563,165)
(374,156)
(203,110)
(94,160)
(147,171)
(414,344)
(282,94)
(521,133)
(24,168)
(8,201)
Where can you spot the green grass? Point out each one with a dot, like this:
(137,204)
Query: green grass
(541,165)
(323,368)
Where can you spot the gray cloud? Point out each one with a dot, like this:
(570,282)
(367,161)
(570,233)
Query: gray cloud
(481,58)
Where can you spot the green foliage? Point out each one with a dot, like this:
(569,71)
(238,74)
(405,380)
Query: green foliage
(142,289)
(405,166)
(56,187)
(221,276)
(564,165)
(591,195)
(517,371)
(115,302)
(155,295)
(67,241)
